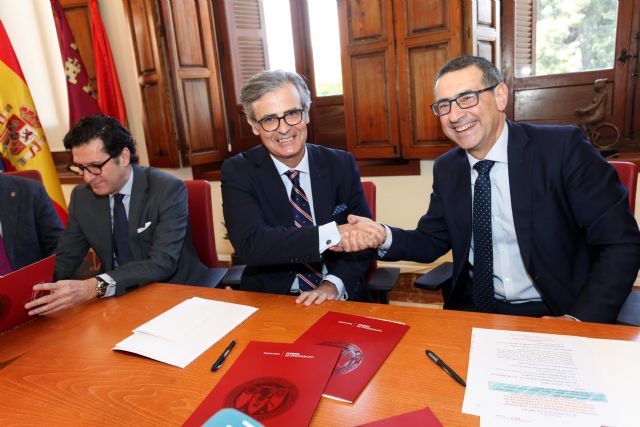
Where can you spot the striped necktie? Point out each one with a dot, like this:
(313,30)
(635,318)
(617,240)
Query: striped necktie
(311,276)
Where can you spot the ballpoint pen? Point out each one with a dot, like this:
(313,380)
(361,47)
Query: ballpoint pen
(220,360)
(431,355)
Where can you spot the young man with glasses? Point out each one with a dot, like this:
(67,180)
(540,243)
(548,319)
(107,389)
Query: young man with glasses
(285,200)
(135,218)
(538,223)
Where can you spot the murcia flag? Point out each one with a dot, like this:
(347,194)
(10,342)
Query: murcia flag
(24,145)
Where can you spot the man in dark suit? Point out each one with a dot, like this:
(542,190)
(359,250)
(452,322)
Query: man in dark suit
(29,224)
(549,231)
(135,219)
(285,200)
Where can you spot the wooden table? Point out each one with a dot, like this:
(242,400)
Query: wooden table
(66,373)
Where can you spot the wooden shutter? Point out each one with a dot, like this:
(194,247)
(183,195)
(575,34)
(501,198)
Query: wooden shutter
(155,88)
(369,78)
(525,36)
(428,34)
(192,58)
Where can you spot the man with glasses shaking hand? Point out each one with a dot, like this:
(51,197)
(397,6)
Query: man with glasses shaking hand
(135,218)
(286,201)
(538,223)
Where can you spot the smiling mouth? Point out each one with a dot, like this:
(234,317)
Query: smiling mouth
(466,126)
(285,139)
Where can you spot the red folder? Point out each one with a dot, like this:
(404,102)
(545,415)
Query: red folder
(365,344)
(16,290)
(422,417)
(276,384)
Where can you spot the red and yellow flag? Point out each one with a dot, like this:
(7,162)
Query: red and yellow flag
(24,145)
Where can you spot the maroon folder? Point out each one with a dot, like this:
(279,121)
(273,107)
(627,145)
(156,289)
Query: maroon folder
(422,417)
(16,289)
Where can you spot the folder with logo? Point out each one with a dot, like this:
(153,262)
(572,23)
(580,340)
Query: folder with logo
(16,289)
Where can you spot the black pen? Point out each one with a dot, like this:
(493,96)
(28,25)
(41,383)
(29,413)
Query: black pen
(216,365)
(431,355)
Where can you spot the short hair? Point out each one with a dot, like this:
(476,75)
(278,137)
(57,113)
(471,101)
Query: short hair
(266,81)
(114,136)
(490,73)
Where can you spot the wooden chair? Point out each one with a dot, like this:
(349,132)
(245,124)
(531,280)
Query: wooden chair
(202,231)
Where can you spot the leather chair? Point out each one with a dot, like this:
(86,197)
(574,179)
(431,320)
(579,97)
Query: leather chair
(202,231)
(628,173)
(380,281)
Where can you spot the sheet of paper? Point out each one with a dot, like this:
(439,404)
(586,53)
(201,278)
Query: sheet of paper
(185,331)
(543,379)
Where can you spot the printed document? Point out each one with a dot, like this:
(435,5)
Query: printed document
(182,333)
(525,378)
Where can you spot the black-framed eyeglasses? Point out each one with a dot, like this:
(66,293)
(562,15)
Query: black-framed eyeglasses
(464,100)
(272,123)
(93,169)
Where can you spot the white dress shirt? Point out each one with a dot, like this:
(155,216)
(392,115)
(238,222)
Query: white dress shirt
(328,233)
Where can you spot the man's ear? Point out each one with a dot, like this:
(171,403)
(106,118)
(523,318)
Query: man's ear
(254,126)
(125,157)
(501,94)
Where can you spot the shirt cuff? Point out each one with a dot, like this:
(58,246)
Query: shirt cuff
(382,249)
(339,284)
(111,288)
(328,236)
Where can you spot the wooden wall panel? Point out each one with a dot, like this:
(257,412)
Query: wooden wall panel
(425,15)
(329,126)
(187,17)
(367,20)
(482,29)
(158,128)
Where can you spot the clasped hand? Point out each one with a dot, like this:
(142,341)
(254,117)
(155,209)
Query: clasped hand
(360,233)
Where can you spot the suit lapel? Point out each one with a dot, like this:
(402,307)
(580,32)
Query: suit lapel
(520,170)
(462,204)
(9,216)
(269,182)
(321,193)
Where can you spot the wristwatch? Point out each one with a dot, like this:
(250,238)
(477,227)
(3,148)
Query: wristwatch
(101,287)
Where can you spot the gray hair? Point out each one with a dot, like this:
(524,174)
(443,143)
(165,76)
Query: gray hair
(490,73)
(266,81)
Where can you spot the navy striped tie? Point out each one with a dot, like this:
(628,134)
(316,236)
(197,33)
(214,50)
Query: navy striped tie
(311,277)
(483,297)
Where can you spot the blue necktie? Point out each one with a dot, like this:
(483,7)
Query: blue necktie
(483,297)
(121,231)
(311,277)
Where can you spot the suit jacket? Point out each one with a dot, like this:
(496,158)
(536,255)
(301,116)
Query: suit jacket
(30,225)
(159,233)
(578,238)
(260,225)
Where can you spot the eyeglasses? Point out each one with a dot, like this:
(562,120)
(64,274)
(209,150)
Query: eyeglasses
(92,168)
(466,100)
(272,123)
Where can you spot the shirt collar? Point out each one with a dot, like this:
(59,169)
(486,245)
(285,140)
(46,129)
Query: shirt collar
(126,190)
(498,152)
(303,166)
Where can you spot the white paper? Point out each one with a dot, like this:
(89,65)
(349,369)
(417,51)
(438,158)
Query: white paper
(185,331)
(524,378)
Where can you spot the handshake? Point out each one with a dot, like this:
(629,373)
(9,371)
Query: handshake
(360,233)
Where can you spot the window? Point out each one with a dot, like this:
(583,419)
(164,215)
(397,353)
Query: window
(277,17)
(554,37)
(325,43)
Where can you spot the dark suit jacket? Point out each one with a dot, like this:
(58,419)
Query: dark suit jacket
(577,236)
(30,225)
(163,251)
(259,220)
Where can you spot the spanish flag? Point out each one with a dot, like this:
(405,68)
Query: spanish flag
(24,145)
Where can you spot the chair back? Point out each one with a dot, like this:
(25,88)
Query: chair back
(201,219)
(628,173)
(27,173)
(369,190)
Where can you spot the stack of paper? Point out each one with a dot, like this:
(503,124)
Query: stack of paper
(549,380)
(182,333)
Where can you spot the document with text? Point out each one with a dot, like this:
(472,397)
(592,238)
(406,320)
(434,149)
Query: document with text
(182,333)
(525,378)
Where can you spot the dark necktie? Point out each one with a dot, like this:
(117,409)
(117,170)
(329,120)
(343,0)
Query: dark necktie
(5,265)
(311,277)
(483,297)
(121,231)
